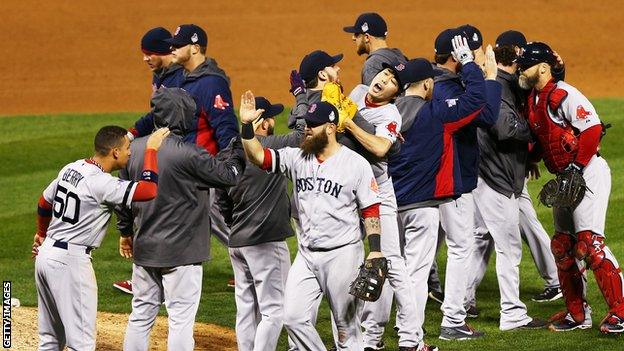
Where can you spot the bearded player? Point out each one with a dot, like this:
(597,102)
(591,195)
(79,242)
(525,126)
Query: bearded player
(567,130)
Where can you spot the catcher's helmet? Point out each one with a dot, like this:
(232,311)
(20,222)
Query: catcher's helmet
(534,53)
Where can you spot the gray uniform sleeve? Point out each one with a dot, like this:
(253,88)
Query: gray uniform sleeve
(292,139)
(299,111)
(372,66)
(221,171)
(509,125)
(125,218)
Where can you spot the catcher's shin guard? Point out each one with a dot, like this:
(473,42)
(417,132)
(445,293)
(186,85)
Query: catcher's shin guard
(570,277)
(600,259)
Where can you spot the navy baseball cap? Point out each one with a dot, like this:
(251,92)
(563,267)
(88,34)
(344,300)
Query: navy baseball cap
(320,113)
(534,53)
(511,38)
(270,110)
(187,34)
(370,23)
(153,42)
(473,34)
(316,61)
(442,45)
(412,71)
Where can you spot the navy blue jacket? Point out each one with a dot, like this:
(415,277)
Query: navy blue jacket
(450,86)
(215,123)
(168,77)
(427,166)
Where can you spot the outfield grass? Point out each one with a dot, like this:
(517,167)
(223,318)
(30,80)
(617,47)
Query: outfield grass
(34,148)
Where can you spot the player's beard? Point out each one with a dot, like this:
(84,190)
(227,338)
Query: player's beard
(270,130)
(315,144)
(182,56)
(361,49)
(528,82)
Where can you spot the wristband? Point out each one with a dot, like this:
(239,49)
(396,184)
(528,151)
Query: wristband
(374,242)
(247,131)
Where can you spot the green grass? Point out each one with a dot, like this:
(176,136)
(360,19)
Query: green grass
(34,148)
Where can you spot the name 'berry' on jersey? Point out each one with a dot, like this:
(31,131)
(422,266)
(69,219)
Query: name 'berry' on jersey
(83,197)
(327,194)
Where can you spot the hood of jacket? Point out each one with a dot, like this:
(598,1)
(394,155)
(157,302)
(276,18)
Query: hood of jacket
(173,108)
(208,67)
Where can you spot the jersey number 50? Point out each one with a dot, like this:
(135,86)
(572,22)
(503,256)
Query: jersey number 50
(63,201)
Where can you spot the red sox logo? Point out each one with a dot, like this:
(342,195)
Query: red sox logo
(581,113)
(392,128)
(400,67)
(312,108)
(220,103)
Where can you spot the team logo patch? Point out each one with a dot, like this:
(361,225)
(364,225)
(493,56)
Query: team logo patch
(220,103)
(392,128)
(475,37)
(194,38)
(332,116)
(581,113)
(177,31)
(451,102)
(365,27)
(312,108)
(374,186)
(400,67)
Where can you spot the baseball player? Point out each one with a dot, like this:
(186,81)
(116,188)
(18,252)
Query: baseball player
(456,217)
(157,56)
(502,167)
(216,123)
(425,171)
(568,130)
(170,242)
(331,185)
(72,217)
(511,126)
(369,35)
(255,210)
(375,105)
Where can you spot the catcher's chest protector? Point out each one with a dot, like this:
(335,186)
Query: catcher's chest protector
(554,133)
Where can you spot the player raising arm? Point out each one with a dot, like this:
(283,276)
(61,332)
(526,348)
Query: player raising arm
(331,183)
(72,217)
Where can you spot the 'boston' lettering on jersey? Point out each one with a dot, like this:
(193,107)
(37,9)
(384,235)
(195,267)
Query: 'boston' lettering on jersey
(72,176)
(322,184)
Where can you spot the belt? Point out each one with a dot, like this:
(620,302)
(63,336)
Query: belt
(63,245)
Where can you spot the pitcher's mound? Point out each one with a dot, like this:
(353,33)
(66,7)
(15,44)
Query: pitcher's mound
(111,328)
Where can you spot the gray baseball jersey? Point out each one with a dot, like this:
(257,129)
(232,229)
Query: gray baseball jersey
(327,194)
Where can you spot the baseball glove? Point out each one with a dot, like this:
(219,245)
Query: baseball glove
(567,190)
(332,93)
(370,280)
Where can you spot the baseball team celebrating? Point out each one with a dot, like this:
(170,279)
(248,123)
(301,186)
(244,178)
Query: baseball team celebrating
(419,152)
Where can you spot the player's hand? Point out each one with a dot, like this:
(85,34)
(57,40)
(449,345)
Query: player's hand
(461,50)
(374,254)
(297,86)
(491,69)
(125,246)
(532,171)
(559,64)
(156,139)
(257,122)
(247,111)
(37,241)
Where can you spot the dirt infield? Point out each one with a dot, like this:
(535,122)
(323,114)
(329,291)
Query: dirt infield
(70,56)
(111,328)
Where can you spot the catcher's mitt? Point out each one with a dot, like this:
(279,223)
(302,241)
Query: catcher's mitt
(332,93)
(370,280)
(567,190)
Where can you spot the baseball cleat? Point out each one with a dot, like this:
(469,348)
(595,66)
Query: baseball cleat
(612,324)
(436,296)
(124,285)
(549,294)
(465,332)
(380,346)
(534,324)
(567,323)
(472,312)
(426,347)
